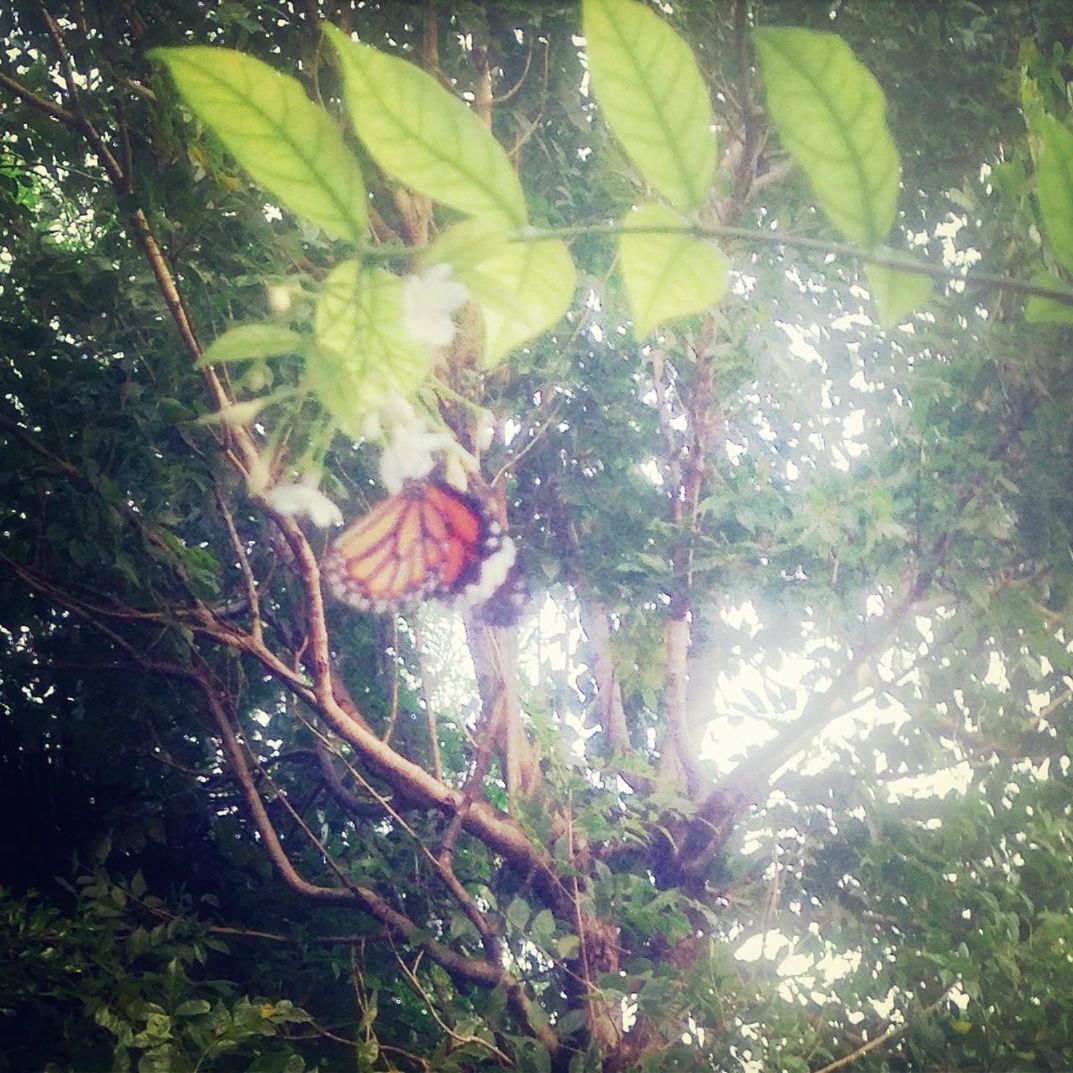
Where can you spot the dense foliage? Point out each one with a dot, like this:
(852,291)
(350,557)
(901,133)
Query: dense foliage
(774,771)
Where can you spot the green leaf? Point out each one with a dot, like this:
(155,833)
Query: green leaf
(537,1016)
(567,946)
(466,246)
(571,1022)
(193,1007)
(1040,310)
(542,928)
(422,135)
(831,116)
(649,87)
(896,293)
(518,913)
(287,144)
(538,279)
(251,341)
(668,276)
(363,353)
(1054,179)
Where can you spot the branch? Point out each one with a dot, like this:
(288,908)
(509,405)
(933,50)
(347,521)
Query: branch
(900,261)
(258,814)
(459,967)
(745,783)
(248,579)
(890,1032)
(462,1041)
(441,864)
(41,104)
(495,659)
(595,621)
(122,182)
(80,121)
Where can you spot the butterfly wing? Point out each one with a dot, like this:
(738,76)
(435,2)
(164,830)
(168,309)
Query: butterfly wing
(428,539)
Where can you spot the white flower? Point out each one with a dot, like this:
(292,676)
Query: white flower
(428,300)
(304,498)
(454,469)
(411,454)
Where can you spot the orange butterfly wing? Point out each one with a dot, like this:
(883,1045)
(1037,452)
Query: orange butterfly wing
(427,540)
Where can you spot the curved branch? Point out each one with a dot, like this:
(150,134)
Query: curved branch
(469,970)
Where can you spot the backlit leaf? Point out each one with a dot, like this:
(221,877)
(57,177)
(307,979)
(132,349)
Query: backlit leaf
(668,276)
(896,293)
(467,246)
(363,353)
(831,116)
(251,341)
(651,92)
(287,144)
(539,279)
(425,137)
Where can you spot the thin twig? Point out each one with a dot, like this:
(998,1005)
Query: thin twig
(248,580)
(462,1041)
(885,1037)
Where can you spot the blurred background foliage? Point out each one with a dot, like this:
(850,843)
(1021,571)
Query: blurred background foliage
(907,877)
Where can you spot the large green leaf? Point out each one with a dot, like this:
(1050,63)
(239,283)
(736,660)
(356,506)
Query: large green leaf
(831,116)
(423,136)
(1055,187)
(649,88)
(363,353)
(539,280)
(287,144)
(668,276)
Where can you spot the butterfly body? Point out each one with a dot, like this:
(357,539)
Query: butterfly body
(429,539)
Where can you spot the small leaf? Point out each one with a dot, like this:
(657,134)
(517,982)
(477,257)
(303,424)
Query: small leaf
(537,1016)
(287,144)
(831,116)
(422,135)
(1054,181)
(896,293)
(518,913)
(539,280)
(542,928)
(668,276)
(1040,310)
(251,341)
(363,353)
(193,1007)
(567,946)
(650,89)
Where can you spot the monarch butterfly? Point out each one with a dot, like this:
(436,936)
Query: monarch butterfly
(427,540)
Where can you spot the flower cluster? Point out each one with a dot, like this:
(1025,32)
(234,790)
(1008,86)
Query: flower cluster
(429,301)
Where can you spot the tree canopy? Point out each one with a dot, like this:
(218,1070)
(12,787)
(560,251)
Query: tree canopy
(746,327)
